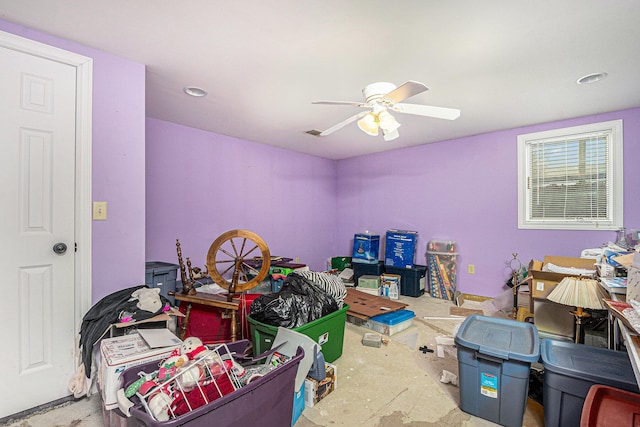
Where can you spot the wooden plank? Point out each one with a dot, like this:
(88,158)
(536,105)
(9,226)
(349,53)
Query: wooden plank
(459,311)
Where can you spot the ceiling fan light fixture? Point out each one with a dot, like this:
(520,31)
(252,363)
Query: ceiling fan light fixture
(369,124)
(390,135)
(382,98)
(387,122)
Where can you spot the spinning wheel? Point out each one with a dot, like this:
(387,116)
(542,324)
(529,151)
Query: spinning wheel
(227,260)
(228,266)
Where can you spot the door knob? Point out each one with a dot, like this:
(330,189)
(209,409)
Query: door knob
(60,248)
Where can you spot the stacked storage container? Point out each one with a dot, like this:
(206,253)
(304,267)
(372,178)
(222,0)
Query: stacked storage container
(362,269)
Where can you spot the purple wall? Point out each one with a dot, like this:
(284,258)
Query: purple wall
(466,190)
(201,184)
(118,163)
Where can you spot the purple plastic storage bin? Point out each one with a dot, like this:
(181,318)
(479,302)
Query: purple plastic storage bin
(265,401)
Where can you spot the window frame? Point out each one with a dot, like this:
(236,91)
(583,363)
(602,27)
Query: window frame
(615,177)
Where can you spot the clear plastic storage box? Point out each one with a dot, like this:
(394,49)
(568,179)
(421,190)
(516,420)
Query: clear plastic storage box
(391,323)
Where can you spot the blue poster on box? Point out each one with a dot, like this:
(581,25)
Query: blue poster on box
(366,248)
(400,248)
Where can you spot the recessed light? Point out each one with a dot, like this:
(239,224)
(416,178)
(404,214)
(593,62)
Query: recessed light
(591,78)
(195,91)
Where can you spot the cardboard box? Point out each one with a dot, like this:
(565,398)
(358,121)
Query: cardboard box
(161,321)
(524,297)
(390,285)
(121,353)
(366,248)
(368,281)
(315,391)
(543,282)
(400,248)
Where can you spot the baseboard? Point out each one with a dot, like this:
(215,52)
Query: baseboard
(478,298)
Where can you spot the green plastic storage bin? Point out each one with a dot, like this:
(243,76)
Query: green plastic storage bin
(328,331)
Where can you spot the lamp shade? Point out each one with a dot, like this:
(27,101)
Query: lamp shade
(578,292)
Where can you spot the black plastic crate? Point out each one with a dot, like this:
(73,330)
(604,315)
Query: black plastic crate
(412,280)
(361,269)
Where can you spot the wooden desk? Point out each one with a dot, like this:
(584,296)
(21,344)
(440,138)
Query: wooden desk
(211,300)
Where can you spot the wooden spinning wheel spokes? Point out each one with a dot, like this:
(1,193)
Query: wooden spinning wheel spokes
(227,260)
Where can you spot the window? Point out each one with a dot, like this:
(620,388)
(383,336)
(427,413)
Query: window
(571,178)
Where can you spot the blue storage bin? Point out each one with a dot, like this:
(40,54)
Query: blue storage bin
(161,275)
(298,404)
(494,359)
(569,372)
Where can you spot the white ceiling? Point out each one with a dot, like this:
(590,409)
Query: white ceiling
(504,63)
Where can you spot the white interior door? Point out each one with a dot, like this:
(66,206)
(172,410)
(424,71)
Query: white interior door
(38,231)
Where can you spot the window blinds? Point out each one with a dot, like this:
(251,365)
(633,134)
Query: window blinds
(569,178)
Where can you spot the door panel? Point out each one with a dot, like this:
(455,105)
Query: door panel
(37,195)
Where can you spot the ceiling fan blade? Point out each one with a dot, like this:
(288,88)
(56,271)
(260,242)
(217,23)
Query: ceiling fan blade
(406,90)
(342,124)
(355,104)
(427,110)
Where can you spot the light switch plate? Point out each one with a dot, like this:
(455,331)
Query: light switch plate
(100,211)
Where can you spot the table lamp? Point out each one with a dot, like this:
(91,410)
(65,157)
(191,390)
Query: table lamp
(580,293)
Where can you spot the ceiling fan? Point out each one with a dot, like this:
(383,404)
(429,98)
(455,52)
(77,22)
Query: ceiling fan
(381,97)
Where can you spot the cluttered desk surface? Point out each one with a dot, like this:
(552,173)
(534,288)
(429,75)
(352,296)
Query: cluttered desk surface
(617,290)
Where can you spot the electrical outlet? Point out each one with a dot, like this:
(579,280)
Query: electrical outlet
(471,269)
(100,211)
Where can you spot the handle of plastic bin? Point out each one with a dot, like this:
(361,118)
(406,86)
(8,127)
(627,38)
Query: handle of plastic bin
(124,404)
(492,355)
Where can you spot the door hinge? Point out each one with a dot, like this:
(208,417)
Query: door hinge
(75,247)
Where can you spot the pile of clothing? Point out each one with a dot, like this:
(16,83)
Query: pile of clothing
(127,305)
